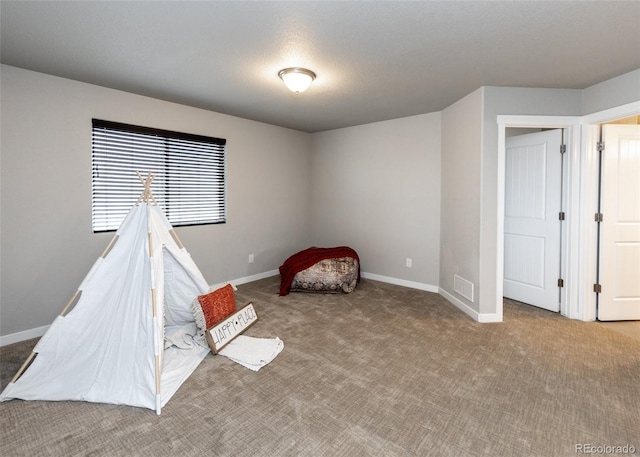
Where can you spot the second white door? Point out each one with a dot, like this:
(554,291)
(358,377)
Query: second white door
(532,230)
(620,228)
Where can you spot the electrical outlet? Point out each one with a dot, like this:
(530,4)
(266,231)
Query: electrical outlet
(251,258)
(409,263)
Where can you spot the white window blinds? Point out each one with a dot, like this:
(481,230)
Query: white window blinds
(189,174)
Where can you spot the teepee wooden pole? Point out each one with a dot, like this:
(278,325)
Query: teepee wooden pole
(154,312)
(23,367)
(71,300)
(102,256)
(62,313)
(176,238)
(157,356)
(146,194)
(33,353)
(109,246)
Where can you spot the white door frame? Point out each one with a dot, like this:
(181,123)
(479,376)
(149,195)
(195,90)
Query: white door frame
(590,136)
(532,231)
(579,236)
(572,139)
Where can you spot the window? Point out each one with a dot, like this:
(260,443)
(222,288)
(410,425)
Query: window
(189,174)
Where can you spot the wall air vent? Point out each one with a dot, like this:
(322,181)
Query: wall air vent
(463,287)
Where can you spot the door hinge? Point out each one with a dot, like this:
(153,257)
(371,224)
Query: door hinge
(600,146)
(599,217)
(597,288)
(561,215)
(563,148)
(560,282)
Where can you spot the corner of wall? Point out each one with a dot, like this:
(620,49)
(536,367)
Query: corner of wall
(613,92)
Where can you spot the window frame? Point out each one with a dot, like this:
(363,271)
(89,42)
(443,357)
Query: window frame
(187,167)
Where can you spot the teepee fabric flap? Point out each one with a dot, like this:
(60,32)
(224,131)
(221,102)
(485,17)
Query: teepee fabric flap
(108,348)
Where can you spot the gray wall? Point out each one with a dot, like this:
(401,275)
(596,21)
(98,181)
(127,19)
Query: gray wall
(422,187)
(497,101)
(376,187)
(461,199)
(503,101)
(46,242)
(611,93)
(469,177)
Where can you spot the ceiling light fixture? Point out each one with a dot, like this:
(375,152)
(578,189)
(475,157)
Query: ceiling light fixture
(297,79)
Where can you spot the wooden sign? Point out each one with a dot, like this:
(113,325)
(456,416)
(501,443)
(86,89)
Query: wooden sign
(225,331)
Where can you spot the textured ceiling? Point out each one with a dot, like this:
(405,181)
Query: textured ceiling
(375,60)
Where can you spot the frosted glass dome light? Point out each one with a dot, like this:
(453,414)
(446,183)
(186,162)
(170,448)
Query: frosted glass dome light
(297,79)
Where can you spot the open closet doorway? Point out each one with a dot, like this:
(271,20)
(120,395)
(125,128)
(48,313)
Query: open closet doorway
(581,198)
(618,217)
(533,215)
(569,251)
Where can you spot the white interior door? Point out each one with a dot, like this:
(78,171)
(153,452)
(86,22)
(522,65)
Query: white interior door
(619,269)
(532,231)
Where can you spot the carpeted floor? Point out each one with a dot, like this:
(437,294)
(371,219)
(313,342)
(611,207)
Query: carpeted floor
(384,371)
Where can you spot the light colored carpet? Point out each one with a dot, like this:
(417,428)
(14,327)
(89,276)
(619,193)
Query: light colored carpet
(628,328)
(384,371)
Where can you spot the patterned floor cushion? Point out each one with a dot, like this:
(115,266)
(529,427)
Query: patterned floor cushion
(328,276)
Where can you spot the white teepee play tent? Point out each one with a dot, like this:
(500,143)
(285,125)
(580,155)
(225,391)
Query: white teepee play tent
(115,346)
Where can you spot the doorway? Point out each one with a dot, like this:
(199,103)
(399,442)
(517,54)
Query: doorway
(533,217)
(570,261)
(579,233)
(617,284)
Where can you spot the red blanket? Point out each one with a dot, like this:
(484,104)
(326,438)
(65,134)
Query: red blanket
(307,258)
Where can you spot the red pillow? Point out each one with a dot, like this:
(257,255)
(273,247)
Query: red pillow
(217,305)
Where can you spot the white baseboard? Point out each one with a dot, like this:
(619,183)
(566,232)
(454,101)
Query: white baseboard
(401,282)
(479,317)
(38,332)
(266,274)
(246,279)
(487,318)
(22,336)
